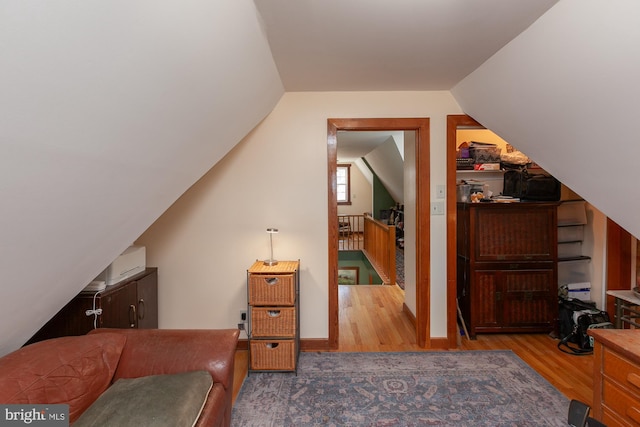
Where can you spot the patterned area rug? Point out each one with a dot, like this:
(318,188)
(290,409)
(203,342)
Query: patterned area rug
(461,388)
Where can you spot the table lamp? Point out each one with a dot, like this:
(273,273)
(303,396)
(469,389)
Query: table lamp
(271,261)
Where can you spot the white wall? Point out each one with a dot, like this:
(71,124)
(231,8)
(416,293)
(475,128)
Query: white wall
(109,111)
(277,177)
(564,92)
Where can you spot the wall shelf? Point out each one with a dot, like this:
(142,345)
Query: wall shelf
(573,269)
(575,258)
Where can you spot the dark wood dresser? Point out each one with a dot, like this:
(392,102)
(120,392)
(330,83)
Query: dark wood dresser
(507,266)
(132,303)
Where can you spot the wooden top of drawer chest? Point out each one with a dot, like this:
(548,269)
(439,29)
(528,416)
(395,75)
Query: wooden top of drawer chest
(259,267)
(625,342)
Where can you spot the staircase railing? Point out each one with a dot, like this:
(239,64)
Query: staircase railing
(350,232)
(380,248)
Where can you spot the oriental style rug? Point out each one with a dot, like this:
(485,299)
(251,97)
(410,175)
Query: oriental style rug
(456,388)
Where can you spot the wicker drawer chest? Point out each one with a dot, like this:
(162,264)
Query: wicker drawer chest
(273,296)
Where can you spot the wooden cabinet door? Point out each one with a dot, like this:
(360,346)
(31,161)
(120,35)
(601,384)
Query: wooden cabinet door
(528,298)
(119,308)
(147,301)
(509,300)
(486,299)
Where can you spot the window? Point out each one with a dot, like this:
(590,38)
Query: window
(343,181)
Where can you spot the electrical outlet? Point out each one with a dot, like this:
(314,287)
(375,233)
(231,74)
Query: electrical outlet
(243,315)
(241,326)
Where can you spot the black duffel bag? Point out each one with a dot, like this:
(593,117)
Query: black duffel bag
(575,319)
(531,186)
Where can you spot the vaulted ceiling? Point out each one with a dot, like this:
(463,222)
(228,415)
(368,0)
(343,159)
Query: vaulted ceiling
(109,108)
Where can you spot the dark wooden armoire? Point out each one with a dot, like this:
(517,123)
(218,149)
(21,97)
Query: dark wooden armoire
(507,266)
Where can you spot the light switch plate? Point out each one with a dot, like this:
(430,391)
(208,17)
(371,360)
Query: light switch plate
(440,191)
(437,207)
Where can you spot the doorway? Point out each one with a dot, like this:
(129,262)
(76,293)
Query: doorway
(422,251)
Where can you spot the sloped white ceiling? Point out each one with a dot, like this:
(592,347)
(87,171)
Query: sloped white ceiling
(565,93)
(109,111)
(388,165)
(364,45)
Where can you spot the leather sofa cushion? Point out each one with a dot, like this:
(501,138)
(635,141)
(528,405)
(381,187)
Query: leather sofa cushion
(152,401)
(71,370)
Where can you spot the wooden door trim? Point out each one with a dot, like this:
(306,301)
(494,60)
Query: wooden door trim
(618,262)
(423,294)
(453,123)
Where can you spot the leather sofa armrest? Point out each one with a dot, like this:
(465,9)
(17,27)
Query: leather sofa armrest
(170,351)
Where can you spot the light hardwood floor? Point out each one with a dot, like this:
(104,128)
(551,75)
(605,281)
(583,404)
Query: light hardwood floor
(371,319)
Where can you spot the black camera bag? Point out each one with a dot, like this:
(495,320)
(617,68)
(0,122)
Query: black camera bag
(528,186)
(575,332)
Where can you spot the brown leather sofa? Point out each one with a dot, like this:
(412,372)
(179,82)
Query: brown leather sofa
(77,370)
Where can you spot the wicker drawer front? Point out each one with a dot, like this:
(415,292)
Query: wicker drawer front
(273,322)
(273,355)
(277,289)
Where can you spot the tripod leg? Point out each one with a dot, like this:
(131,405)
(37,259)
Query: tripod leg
(464,325)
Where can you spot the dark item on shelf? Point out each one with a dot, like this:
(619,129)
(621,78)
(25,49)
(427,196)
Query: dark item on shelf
(385,214)
(526,186)
(464,164)
(512,166)
(463,151)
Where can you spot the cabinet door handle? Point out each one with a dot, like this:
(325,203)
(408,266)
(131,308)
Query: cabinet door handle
(132,316)
(141,311)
